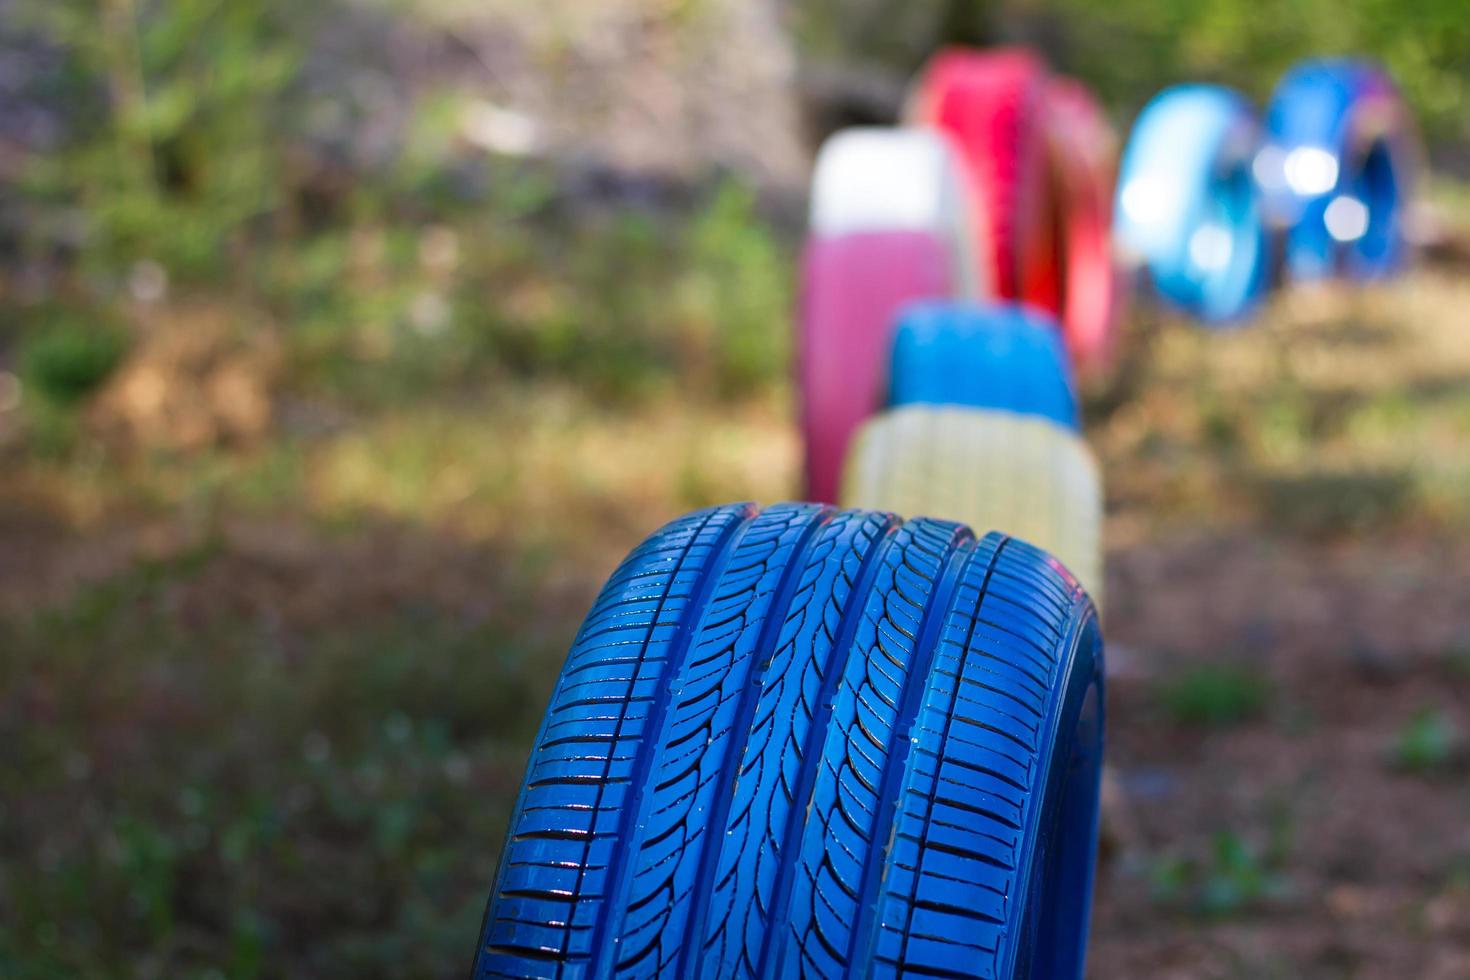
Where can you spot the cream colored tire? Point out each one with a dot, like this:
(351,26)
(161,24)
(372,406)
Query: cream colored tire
(1021,475)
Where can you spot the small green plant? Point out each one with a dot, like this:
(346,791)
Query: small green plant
(182,115)
(1169,878)
(1215,695)
(1236,877)
(1220,427)
(1430,742)
(66,364)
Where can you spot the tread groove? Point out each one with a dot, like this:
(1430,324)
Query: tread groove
(811,760)
(689,621)
(962,550)
(719,810)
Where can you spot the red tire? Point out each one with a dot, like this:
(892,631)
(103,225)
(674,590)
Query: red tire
(853,287)
(992,103)
(1084,156)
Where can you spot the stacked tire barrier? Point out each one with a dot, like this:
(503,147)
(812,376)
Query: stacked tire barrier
(838,742)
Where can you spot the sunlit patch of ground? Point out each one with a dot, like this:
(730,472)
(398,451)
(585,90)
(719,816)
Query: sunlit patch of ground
(1343,408)
(533,470)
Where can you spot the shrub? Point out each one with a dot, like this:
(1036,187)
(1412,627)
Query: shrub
(66,364)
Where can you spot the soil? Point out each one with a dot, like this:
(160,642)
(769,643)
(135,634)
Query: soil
(1368,865)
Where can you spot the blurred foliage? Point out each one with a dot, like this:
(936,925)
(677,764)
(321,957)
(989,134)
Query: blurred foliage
(202,150)
(1215,694)
(1329,503)
(176,119)
(69,361)
(214,792)
(316,838)
(1429,742)
(1129,49)
(1236,877)
(383,308)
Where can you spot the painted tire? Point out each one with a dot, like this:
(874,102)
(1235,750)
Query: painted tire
(1084,152)
(997,471)
(853,287)
(809,742)
(1337,169)
(1004,357)
(992,104)
(876,179)
(1188,209)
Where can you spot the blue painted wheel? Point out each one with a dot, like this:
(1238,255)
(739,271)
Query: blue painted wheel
(999,356)
(1337,168)
(812,742)
(1188,209)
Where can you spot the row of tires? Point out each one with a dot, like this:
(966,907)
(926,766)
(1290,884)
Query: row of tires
(965,406)
(1218,207)
(1002,189)
(822,740)
(998,188)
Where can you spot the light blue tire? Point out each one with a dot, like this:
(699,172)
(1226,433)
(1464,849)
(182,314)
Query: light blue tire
(1188,210)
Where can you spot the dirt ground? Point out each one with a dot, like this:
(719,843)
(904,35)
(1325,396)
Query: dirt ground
(1289,841)
(1288,640)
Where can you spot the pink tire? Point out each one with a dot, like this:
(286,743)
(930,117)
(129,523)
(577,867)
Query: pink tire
(853,287)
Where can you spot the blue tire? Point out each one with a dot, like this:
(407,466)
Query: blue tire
(815,742)
(1000,356)
(1188,209)
(1336,170)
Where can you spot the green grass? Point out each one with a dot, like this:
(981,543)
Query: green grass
(1428,743)
(219,791)
(1234,876)
(1457,661)
(627,304)
(66,363)
(1214,695)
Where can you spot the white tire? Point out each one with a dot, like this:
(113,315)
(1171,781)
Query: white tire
(876,179)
